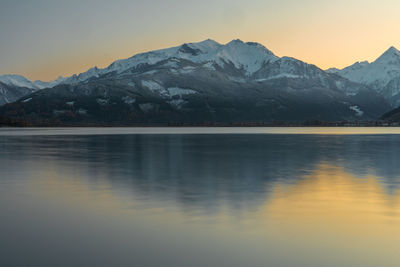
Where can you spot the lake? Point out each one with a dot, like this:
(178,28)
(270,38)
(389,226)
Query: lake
(200,197)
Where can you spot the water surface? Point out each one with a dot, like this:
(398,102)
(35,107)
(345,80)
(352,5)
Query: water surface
(200,197)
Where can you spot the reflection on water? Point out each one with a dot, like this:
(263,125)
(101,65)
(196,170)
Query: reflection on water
(200,200)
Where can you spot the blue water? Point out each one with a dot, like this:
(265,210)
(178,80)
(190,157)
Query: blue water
(200,197)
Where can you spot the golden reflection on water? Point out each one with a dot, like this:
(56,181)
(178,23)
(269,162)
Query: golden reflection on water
(251,211)
(333,211)
(327,212)
(330,194)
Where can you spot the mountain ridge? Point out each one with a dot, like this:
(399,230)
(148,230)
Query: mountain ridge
(204,82)
(380,74)
(207,47)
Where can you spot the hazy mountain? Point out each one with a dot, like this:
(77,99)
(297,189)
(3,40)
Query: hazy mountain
(10,93)
(383,75)
(202,82)
(21,81)
(13,87)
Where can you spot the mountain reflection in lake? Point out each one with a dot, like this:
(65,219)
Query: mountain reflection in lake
(200,200)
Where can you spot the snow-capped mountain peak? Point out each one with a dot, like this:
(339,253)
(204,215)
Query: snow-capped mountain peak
(392,51)
(378,74)
(248,56)
(205,78)
(206,46)
(391,56)
(17,80)
(21,81)
(40,84)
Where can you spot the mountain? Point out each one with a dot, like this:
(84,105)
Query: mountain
(249,56)
(383,75)
(204,82)
(11,93)
(13,87)
(199,52)
(21,81)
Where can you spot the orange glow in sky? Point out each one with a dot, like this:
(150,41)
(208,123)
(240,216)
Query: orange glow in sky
(71,38)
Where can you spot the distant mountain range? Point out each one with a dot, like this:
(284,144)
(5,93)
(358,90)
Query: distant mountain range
(207,82)
(382,75)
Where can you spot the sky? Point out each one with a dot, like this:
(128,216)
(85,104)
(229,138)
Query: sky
(43,39)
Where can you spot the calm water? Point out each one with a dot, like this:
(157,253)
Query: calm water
(225,197)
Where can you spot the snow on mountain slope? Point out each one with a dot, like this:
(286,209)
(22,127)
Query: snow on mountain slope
(10,93)
(13,87)
(379,75)
(17,80)
(247,56)
(239,61)
(291,68)
(202,82)
(42,85)
(21,81)
(196,52)
(376,74)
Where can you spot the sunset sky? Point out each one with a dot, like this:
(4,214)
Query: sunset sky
(43,39)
